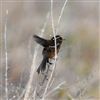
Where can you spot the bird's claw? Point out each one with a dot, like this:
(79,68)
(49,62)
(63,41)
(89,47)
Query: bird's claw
(50,63)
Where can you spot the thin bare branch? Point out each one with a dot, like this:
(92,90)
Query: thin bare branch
(54,33)
(62,10)
(47,85)
(60,16)
(57,87)
(34,94)
(1,40)
(6,58)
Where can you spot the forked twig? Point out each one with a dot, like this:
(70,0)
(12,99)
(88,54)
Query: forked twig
(57,87)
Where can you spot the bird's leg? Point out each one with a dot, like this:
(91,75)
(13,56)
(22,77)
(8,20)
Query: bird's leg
(54,58)
(45,75)
(49,65)
(47,71)
(49,62)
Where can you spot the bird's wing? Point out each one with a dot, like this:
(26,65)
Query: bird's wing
(41,41)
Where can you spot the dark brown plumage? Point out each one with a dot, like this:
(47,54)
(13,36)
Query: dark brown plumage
(48,50)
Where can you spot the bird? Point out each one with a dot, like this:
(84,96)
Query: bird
(48,51)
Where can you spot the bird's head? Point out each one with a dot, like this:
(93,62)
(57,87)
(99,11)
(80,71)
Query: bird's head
(58,38)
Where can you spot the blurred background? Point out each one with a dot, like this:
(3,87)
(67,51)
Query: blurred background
(78,57)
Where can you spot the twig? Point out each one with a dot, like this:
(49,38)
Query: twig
(1,92)
(57,87)
(54,33)
(53,29)
(62,10)
(45,24)
(61,13)
(55,52)
(52,82)
(34,94)
(6,58)
(22,94)
(45,91)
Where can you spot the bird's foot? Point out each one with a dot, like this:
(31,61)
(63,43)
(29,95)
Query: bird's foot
(50,63)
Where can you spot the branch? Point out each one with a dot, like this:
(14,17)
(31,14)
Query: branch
(45,91)
(61,13)
(34,94)
(57,87)
(62,10)
(1,43)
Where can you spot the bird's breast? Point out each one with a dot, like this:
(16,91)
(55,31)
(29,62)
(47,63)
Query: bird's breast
(49,52)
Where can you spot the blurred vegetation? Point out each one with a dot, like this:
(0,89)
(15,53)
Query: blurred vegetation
(79,54)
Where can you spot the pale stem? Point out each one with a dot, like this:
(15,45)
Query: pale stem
(6,57)
(47,85)
(54,33)
(57,87)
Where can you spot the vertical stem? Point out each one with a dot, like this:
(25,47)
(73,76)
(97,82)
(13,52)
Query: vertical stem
(53,28)
(62,10)
(54,33)
(6,58)
(61,13)
(1,51)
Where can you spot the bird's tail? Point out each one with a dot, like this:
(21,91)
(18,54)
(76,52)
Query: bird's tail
(42,66)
